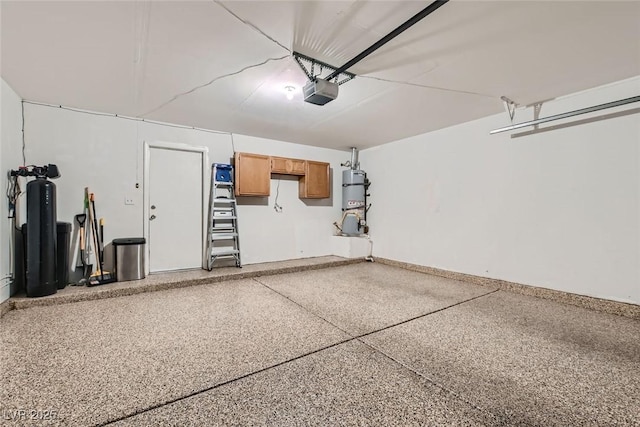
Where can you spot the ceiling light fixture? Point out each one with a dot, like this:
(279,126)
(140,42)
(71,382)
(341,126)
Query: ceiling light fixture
(289,92)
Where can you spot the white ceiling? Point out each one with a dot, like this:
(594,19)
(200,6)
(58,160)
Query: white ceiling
(223,65)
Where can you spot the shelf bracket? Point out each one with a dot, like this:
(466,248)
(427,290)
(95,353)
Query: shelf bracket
(536,113)
(509,107)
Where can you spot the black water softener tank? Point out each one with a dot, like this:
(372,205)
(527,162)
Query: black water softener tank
(41,238)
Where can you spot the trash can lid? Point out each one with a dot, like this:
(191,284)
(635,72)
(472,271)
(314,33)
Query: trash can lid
(129,241)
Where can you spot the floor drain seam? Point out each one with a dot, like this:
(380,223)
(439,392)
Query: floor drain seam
(375,349)
(425,314)
(380,329)
(433,382)
(218,385)
(306,309)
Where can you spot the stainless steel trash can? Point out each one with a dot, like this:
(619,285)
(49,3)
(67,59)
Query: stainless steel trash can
(129,256)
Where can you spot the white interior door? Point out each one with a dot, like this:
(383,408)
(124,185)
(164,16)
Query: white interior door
(175,209)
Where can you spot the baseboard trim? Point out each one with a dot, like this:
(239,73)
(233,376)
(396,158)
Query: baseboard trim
(598,304)
(104,292)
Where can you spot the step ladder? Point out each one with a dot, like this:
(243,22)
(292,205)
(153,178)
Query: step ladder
(223,241)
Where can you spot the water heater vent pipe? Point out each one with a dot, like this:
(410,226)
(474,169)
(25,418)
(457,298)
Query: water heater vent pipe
(353,164)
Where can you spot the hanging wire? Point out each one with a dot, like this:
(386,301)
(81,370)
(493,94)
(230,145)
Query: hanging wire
(13,192)
(276,206)
(24,158)
(138,147)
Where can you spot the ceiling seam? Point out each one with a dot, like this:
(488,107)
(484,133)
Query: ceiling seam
(244,101)
(249,24)
(212,81)
(428,87)
(378,94)
(350,108)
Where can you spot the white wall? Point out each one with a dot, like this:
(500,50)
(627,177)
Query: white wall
(557,209)
(105,153)
(10,158)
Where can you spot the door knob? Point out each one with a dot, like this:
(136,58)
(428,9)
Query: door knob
(152,217)
(153,206)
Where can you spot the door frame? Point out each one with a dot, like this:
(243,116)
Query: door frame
(175,146)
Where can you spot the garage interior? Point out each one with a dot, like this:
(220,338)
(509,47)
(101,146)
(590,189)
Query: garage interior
(486,273)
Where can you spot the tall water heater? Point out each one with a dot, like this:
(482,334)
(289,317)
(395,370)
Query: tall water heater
(354,198)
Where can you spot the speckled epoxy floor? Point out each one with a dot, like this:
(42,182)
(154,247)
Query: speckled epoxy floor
(361,344)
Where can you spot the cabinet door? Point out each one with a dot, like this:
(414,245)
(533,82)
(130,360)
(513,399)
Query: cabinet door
(298,167)
(315,183)
(286,166)
(252,174)
(278,165)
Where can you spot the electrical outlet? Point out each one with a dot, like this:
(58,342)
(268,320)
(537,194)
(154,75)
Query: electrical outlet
(128,201)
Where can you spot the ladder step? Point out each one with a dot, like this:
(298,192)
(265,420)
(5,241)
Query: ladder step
(224,236)
(226,252)
(223,183)
(223,217)
(218,209)
(224,200)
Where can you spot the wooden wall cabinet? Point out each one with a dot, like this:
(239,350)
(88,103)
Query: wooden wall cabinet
(315,184)
(286,166)
(252,174)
